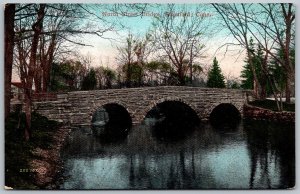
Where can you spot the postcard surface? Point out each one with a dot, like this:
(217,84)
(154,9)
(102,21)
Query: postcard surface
(149,96)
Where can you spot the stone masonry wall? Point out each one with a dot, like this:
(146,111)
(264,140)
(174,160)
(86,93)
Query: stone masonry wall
(257,113)
(77,107)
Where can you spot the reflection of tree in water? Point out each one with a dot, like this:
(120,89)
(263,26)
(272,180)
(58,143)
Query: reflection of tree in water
(139,177)
(274,143)
(173,172)
(284,144)
(186,178)
(74,145)
(131,174)
(178,173)
(184,174)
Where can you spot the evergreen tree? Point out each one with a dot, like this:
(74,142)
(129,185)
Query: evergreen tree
(277,71)
(260,67)
(215,77)
(247,77)
(89,82)
(247,74)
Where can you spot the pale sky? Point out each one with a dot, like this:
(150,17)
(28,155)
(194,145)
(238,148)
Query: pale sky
(104,51)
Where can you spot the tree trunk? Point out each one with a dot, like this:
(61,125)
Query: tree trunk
(181,76)
(37,28)
(288,88)
(274,89)
(9,47)
(27,108)
(191,63)
(47,62)
(289,77)
(191,74)
(46,79)
(263,79)
(38,80)
(128,77)
(256,85)
(263,92)
(290,70)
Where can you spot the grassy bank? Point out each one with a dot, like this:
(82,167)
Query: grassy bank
(18,152)
(271,105)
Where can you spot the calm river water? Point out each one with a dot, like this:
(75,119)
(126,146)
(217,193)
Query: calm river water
(255,155)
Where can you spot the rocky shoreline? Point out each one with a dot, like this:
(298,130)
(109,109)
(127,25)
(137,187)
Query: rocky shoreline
(47,165)
(257,113)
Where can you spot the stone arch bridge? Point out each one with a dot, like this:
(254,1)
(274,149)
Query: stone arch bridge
(77,108)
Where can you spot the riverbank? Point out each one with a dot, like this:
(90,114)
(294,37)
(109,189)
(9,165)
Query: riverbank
(47,162)
(33,164)
(258,113)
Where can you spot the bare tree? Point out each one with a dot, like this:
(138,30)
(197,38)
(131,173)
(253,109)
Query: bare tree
(126,56)
(179,37)
(236,20)
(27,75)
(40,31)
(271,25)
(63,24)
(276,30)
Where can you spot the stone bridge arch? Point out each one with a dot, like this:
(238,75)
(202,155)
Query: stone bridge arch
(97,105)
(209,109)
(154,103)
